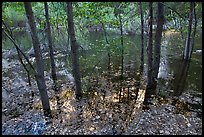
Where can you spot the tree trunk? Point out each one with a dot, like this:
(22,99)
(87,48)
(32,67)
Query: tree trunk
(158,37)
(149,49)
(10,36)
(17,49)
(109,54)
(75,52)
(195,28)
(122,49)
(149,59)
(188,40)
(142,37)
(50,44)
(39,61)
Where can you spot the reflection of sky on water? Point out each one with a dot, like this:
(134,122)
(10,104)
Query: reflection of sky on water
(170,63)
(163,66)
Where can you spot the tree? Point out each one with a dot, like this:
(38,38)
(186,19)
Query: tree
(149,48)
(50,44)
(158,37)
(74,49)
(188,40)
(118,11)
(122,47)
(142,37)
(149,54)
(39,61)
(195,28)
(180,81)
(19,51)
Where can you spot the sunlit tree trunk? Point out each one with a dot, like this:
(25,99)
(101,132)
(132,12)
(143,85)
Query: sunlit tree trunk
(39,61)
(188,40)
(158,37)
(75,52)
(50,44)
(142,37)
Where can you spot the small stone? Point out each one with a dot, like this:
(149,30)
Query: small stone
(188,125)
(92,128)
(161,131)
(97,117)
(167,133)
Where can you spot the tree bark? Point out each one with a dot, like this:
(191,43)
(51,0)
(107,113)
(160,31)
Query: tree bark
(149,49)
(158,37)
(39,61)
(75,52)
(195,28)
(188,40)
(122,49)
(50,44)
(149,59)
(142,37)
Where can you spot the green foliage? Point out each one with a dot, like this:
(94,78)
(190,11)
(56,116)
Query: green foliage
(12,12)
(97,13)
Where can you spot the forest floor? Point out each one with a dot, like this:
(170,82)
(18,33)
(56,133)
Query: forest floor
(93,115)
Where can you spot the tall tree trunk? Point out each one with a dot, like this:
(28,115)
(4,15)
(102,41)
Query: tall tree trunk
(188,40)
(195,28)
(50,44)
(122,54)
(122,49)
(39,61)
(142,37)
(158,37)
(149,49)
(149,54)
(75,52)
(108,54)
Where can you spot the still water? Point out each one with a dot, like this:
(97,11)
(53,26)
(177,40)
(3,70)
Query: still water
(170,62)
(94,57)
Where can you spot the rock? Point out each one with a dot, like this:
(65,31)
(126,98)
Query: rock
(97,117)
(5,64)
(30,52)
(199,51)
(67,74)
(94,28)
(43,47)
(5,95)
(11,54)
(167,133)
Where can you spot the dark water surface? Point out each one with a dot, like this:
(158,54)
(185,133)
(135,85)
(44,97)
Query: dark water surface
(171,60)
(94,59)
